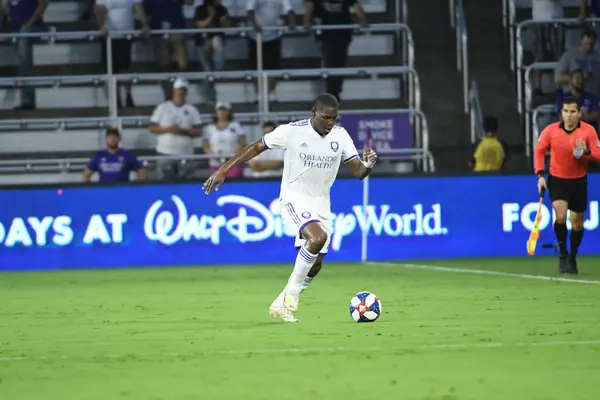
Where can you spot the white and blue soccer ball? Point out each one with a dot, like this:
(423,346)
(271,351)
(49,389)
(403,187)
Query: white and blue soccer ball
(365,307)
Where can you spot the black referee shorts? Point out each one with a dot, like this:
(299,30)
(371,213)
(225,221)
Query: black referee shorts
(121,55)
(573,191)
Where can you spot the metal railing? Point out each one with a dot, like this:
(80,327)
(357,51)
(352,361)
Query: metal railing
(518,58)
(528,101)
(64,165)
(543,109)
(403,34)
(420,126)
(459,22)
(475,114)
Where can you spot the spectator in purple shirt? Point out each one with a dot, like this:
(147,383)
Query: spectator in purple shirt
(26,16)
(114,163)
(590,110)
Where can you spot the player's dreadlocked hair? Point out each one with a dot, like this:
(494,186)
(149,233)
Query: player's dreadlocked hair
(326,100)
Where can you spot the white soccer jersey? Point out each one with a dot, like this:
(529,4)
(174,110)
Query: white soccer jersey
(311,163)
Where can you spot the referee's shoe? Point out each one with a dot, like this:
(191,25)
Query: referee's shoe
(567,265)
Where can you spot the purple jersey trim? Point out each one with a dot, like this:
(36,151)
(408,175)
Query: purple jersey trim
(265,143)
(350,158)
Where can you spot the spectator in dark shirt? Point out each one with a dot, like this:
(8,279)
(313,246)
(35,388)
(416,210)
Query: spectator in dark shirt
(114,163)
(211,46)
(168,15)
(335,43)
(584,57)
(588,102)
(26,16)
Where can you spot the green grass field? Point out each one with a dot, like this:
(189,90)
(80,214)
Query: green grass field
(205,333)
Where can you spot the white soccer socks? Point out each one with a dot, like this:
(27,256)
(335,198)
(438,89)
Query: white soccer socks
(298,281)
(305,284)
(304,262)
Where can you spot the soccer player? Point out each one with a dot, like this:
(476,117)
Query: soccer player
(314,149)
(572,143)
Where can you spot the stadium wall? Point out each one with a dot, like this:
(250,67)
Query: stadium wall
(46,228)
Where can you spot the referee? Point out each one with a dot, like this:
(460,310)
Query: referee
(572,143)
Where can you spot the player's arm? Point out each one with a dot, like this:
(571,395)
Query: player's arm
(593,146)
(359,169)
(277,139)
(267,165)
(541,148)
(241,138)
(245,154)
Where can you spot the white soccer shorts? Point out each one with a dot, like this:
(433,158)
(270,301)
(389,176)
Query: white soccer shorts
(299,216)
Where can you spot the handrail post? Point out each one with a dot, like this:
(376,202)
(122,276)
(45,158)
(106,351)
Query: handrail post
(465,72)
(519,69)
(262,96)
(526,110)
(511,32)
(111,81)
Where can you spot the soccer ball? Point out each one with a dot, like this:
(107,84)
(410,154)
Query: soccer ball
(365,307)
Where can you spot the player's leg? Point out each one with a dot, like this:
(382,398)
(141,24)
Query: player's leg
(314,271)
(577,207)
(312,239)
(560,229)
(559,195)
(316,237)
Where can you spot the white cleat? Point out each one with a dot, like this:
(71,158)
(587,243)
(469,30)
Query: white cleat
(291,300)
(282,314)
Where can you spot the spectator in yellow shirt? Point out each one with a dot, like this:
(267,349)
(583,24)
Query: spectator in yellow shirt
(490,154)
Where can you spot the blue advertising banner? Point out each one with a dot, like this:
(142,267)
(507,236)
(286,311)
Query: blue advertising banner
(406,218)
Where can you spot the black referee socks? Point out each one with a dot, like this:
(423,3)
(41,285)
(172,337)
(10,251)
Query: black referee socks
(576,237)
(561,236)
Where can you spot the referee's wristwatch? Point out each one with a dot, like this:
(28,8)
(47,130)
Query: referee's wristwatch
(540,174)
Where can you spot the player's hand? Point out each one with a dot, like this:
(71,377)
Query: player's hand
(542,184)
(214,182)
(369,157)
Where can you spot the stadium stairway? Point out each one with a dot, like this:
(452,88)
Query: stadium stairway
(441,87)
(489,61)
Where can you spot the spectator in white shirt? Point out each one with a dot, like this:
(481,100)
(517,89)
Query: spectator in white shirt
(117,15)
(176,123)
(223,138)
(268,163)
(266,14)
